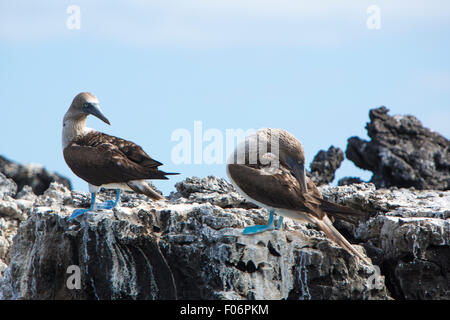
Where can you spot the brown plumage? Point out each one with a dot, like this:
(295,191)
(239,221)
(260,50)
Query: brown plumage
(282,185)
(101,159)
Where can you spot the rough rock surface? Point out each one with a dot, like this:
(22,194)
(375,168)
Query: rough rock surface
(325,164)
(33,175)
(407,236)
(349,180)
(402,153)
(14,208)
(190,246)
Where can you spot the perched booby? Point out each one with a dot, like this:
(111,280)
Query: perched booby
(268,169)
(105,161)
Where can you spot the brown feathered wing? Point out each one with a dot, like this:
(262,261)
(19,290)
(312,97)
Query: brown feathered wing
(100,159)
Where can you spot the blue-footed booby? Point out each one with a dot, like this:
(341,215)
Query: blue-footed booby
(105,161)
(268,169)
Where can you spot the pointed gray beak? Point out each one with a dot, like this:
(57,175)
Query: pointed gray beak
(298,169)
(94,109)
(299,172)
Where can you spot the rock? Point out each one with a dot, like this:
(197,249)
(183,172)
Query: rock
(212,190)
(211,259)
(415,251)
(349,180)
(408,236)
(117,259)
(8,229)
(402,153)
(10,213)
(7,186)
(325,164)
(191,246)
(32,175)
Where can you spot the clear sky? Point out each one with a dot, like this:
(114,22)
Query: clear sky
(314,70)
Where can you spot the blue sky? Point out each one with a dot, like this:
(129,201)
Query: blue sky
(314,70)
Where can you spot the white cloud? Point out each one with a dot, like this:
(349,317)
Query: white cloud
(212,23)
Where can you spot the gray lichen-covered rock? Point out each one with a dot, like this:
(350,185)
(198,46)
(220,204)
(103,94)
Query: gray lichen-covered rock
(416,255)
(211,259)
(188,248)
(191,246)
(324,165)
(402,153)
(118,259)
(33,175)
(12,212)
(211,190)
(408,236)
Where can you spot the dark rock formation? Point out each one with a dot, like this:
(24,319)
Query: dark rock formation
(190,246)
(349,180)
(324,165)
(35,176)
(402,153)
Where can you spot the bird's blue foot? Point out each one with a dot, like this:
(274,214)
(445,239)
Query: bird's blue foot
(109,204)
(257,229)
(77,213)
(261,228)
(280,223)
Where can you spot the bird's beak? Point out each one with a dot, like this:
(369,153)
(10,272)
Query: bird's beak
(94,109)
(299,172)
(298,168)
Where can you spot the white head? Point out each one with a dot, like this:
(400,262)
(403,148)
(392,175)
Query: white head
(84,104)
(74,123)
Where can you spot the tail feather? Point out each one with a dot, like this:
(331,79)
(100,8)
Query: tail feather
(160,175)
(327,227)
(341,212)
(143,188)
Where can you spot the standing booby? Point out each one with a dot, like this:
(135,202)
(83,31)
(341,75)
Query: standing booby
(268,169)
(105,161)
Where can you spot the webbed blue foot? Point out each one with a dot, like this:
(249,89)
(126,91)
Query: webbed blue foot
(280,223)
(77,213)
(257,229)
(261,228)
(109,204)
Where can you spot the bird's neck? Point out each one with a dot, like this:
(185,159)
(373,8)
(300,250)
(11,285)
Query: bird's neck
(73,128)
